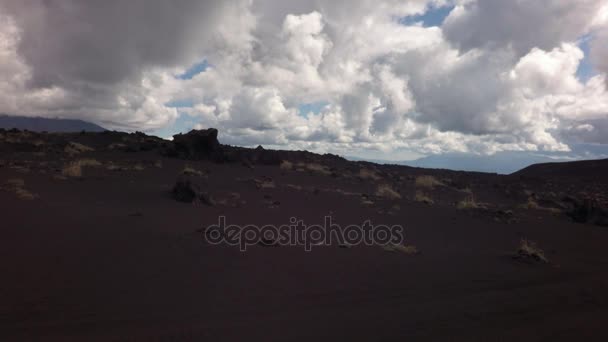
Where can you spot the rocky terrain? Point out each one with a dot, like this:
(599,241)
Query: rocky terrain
(103,239)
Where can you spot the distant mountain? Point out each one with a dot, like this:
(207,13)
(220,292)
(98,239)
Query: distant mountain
(502,162)
(505,162)
(590,170)
(49,125)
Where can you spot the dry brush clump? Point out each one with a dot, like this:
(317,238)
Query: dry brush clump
(386,191)
(264,183)
(529,251)
(190,171)
(405,249)
(423,198)
(286,165)
(427,182)
(532,204)
(369,174)
(469,203)
(316,168)
(74,148)
(74,169)
(17,186)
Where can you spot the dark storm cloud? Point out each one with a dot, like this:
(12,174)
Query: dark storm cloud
(70,42)
(520,24)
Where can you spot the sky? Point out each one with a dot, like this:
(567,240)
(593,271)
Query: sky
(381,79)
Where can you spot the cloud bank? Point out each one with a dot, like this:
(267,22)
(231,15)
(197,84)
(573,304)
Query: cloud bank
(495,76)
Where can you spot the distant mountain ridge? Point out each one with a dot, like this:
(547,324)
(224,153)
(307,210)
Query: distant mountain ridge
(588,170)
(38,124)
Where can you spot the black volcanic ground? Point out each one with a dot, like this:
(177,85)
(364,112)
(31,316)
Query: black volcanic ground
(95,246)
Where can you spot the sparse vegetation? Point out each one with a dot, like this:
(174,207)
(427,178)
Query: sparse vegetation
(74,148)
(286,165)
(74,169)
(190,171)
(423,198)
(25,194)
(469,203)
(405,249)
(386,191)
(427,182)
(15,182)
(530,251)
(531,204)
(318,168)
(369,174)
(17,186)
(158,164)
(115,146)
(264,183)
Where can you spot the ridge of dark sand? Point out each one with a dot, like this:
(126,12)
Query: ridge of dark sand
(111,257)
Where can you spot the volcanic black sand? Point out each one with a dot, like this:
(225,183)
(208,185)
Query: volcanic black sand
(95,246)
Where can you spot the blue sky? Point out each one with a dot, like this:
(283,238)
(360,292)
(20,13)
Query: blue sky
(432,17)
(194,70)
(585,69)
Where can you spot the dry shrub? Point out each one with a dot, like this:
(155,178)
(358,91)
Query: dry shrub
(286,165)
(423,198)
(469,203)
(529,250)
(17,185)
(25,194)
(318,168)
(74,148)
(113,167)
(190,171)
(294,187)
(405,249)
(74,169)
(386,191)
(531,204)
(369,174)
(114,146)
(264,183)
(427,182)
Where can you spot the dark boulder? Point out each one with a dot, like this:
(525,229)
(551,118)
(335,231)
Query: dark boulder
(187,191)
(587,211)
(198,144)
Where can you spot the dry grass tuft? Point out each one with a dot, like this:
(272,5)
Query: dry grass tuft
(529,250)
(190,171)
(386,191)
(74,148)
(74,169)
(24,194)
(264,183)
(369,174)
(423,198)
(318,168)
(427,182)
(286,165)
(531,204)
(113,167)
(115,146)
(469,203)
(405,249)
(17,185)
